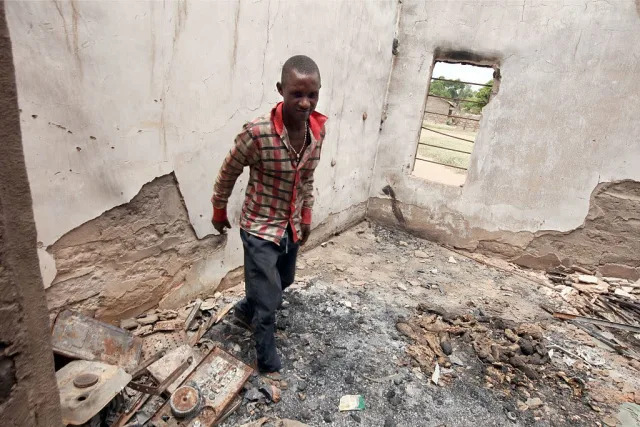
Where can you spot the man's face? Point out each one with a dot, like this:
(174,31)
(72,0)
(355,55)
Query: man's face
(300,93)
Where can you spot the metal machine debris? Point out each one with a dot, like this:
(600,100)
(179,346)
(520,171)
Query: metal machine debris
(161,387)
(211,387)
(81,337)
(162,368)
(86,387)
(175,380)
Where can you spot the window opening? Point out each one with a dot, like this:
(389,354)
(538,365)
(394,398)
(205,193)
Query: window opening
(457,94)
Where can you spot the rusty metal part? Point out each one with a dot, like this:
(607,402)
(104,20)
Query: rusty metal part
(162,341)
(168,325)
(219,377)
(126,415)
(78,405)
(185,401)
(192,315)
(575,318)
(230,410)
(162,387)
(213,320)
(85,380)
(142,368)
(81,337)
(161,369)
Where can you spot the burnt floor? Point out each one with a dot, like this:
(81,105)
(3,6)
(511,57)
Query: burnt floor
(337,336)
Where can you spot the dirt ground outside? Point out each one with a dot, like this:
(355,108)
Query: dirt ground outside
(443,173)
(339,333)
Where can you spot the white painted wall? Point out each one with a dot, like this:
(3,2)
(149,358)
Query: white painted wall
(567,115)
(165,86)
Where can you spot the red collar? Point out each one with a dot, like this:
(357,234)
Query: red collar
(316,121)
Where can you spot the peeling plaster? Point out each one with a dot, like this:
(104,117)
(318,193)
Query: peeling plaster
(180,113)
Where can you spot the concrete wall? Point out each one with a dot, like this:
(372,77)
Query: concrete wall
(28,391)
(116,94)
(564,120)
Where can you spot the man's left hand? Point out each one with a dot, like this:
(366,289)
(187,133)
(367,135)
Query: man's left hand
(306,230)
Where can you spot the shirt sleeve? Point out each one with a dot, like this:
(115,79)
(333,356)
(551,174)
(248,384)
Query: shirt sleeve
(244,152)
(307,188)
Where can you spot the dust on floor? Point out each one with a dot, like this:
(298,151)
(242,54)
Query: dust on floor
(338,335)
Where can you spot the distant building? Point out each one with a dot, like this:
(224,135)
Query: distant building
(438,110)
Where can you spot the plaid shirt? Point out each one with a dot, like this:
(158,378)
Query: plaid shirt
(279,192)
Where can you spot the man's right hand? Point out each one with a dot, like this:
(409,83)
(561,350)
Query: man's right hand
(221,225)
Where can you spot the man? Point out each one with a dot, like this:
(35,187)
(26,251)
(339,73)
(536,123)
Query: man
(282,150)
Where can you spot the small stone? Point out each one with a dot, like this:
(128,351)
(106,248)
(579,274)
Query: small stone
(397,381)
(388,422)
(302,396)
(253,395)
(521,406)
(284,385)
(414,283)
(534,403)
(301,386)
(402,287)
(526,347)
(610,421)
(306,415)
(128,324)
(511,336)
(143,330)
(168,315)
(585,278)
(446,347)
(355,417)
(327,417)
(208,304)
(395,400)
(148,320)
(452,260)
(348,379)
(402,243)
(421,254)
(531,329)
(634,364)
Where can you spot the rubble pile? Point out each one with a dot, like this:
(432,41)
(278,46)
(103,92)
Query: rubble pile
(606,308)
(609,298)
(516,358)
(156,368)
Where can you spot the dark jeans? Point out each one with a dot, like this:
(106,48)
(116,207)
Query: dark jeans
(268,270)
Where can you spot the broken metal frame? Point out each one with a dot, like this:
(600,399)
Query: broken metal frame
(215,369)
(162,387)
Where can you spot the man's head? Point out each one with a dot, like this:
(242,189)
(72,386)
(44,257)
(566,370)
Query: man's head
(300,87)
